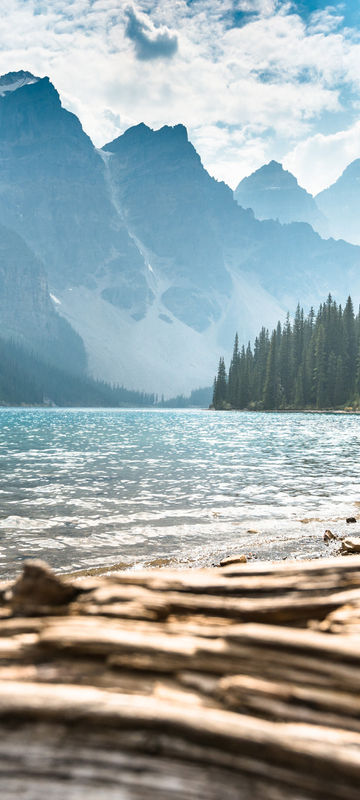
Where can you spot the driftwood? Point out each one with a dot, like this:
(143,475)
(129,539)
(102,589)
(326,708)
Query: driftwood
(233,683)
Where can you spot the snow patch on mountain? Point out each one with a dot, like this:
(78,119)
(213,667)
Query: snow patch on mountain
(15,80)
(55,299)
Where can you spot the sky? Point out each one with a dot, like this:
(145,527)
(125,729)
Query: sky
(253,80)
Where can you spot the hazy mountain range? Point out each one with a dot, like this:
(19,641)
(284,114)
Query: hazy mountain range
(274,193)
(133,263)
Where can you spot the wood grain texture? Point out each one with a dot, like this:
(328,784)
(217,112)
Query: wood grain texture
(240,683)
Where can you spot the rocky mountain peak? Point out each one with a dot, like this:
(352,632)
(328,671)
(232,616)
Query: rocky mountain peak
(269,177)
(166,142)
(274,193)
(142,133)
(273,166)
(15,80)
(173,132)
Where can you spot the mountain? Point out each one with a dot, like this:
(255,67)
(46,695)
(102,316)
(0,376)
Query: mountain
(341,202)
(26,311)
(274,193)
(172,209)
(53,189)
(205,252)
(14,80)
(149,259)
(27,379)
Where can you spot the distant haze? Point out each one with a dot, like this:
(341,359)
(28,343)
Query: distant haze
(134,262)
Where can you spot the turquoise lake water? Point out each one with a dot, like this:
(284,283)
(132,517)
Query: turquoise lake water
(95,488)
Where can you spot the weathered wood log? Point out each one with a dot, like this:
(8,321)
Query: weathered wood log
(323,763)
(344,620)
(289,701)
(257,577)
(39,590)
(144,686)
(271,603)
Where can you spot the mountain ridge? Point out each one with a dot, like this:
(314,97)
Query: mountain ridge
(12,81)
(340,203)
(151,260)
(274,193)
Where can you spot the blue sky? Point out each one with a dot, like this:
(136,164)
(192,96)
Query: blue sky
(349,10)
(251,79)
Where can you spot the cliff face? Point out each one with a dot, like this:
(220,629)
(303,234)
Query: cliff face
(53,188)
(26,311)
(172,206)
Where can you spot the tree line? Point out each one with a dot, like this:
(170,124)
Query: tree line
(311,362)
(27,379)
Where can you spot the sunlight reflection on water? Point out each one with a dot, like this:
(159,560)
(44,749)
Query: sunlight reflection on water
(87,488)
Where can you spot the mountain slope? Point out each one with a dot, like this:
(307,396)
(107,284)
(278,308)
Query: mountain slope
(171,206)
(203,243)
(341,202)
(274,193)
(27,314)
(53,188)
(150,259)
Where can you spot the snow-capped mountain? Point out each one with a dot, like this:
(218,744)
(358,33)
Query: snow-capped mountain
(15,80)
(150,259)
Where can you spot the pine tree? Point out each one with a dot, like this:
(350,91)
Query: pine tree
(339,389)
(233,382)
(271,386)
(350,350)
(220,387)
(297,337)
(310,363)
(320,369)
(286,365)
(243,396)
(299,395)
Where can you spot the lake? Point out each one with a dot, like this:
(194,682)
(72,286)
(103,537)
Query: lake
(98,488)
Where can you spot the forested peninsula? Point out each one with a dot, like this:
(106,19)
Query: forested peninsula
(312,362)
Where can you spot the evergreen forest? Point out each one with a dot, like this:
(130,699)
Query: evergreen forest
(25,379)
(198,398)
(310,362)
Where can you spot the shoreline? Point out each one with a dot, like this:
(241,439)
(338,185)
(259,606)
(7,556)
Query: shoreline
(341,411)
(45,407)
(236,559)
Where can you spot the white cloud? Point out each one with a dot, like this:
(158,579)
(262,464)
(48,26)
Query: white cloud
(268,82)
(231,154)
(319,160)
(325,21)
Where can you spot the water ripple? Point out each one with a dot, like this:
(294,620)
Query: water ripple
(84,488)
